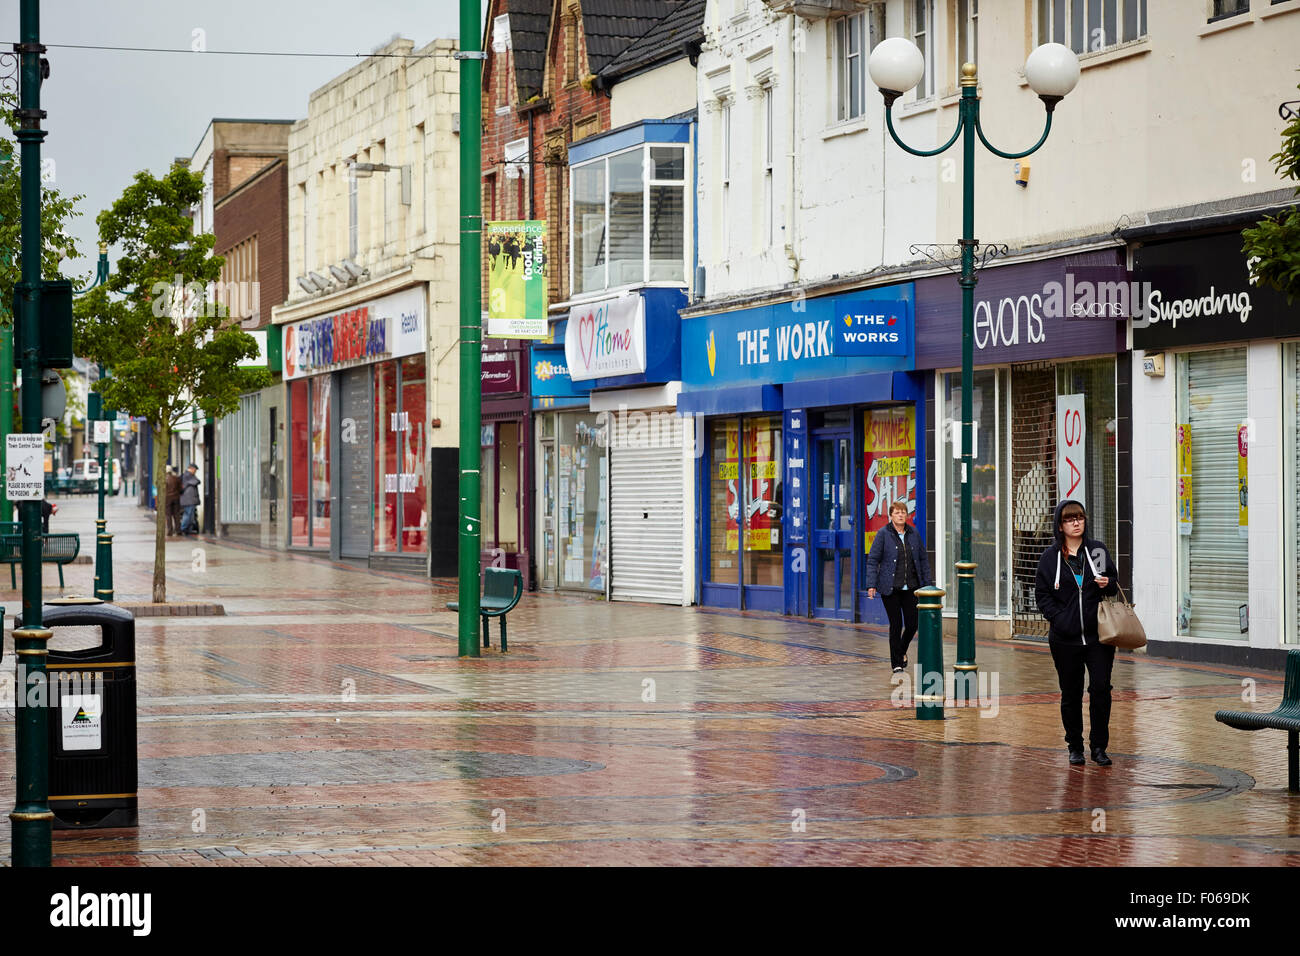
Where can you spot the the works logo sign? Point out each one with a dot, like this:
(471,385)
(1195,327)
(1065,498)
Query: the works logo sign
(76,909)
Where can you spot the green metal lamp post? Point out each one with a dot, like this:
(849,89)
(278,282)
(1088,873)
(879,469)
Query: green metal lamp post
(95,413)
(469,531)
(31,819)
(896,66)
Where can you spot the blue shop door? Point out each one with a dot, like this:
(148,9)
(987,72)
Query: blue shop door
(833,526)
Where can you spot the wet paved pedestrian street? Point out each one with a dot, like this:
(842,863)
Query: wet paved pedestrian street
(326,720)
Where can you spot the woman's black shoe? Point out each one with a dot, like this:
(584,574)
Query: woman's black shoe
(1098,757)
(1076,757)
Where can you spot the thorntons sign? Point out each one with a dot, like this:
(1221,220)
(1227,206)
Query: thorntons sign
(1198,291)
(1024,312)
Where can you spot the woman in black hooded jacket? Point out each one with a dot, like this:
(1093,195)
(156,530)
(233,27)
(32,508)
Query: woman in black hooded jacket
(1074,574)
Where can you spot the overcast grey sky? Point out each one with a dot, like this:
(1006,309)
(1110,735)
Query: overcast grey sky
(114,113)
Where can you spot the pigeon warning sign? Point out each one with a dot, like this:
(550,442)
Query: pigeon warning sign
(24,475)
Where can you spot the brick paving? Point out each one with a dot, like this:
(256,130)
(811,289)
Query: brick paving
(325,720)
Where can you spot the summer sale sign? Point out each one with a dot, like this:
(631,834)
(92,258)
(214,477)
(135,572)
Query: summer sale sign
(888,465)
(606,338)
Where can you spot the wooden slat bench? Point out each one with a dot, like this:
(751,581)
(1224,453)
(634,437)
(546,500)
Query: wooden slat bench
(1285,717)
(502,588)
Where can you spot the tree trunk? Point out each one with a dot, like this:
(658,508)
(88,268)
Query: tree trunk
(161,437)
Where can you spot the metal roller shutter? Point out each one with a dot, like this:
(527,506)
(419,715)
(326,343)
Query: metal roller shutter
(1213,557)
(647,509)
(1292,369)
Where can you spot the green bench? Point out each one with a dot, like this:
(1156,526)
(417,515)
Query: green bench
(60,549)
(1285,717)
(502,589)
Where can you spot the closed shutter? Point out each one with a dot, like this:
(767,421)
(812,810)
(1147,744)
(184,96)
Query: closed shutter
(239,442)
(647,507)
(1033,478)
(1293,436)
(1213,557)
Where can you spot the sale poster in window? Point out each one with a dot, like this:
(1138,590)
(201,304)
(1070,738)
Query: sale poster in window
(760,510)
(729,471)
(1185,479)
(888,465)
(1243,519)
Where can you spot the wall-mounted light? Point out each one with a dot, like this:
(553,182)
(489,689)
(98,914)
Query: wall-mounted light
(355,270)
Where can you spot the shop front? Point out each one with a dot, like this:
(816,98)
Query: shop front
(358,432)
(808,419)
(1050,421)
(627,349)
(1217,491)
(572,470)
(505,462)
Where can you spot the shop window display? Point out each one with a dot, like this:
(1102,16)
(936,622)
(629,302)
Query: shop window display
(583,504)
(299,456)
(763,502)
(724,501)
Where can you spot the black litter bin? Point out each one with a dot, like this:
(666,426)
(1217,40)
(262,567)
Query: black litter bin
(92,720)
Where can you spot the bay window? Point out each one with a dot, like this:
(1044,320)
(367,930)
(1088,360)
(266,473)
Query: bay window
(628,217)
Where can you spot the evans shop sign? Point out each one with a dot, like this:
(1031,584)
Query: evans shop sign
(390,327)
(1034,310)
(865,331)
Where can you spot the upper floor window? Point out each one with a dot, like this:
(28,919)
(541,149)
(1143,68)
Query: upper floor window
(628,214)
(922,17)
(1221,9)
(968,32)
(1086,26)
(855,37)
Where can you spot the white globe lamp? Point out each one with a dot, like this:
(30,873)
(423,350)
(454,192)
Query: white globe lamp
(1052,71)
(896,66)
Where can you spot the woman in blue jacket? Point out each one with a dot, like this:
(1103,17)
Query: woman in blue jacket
(896,566)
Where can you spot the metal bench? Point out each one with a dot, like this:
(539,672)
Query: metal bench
(1285,717)
(60,549)
(502,588)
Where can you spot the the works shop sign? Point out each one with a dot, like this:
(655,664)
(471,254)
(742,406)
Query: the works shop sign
(1024,312)
(1198,291)
(869,330)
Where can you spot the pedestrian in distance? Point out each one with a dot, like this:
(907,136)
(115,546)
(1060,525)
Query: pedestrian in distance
(173,501)
(1074,574)
(47,508)
(897,566)
(190,500)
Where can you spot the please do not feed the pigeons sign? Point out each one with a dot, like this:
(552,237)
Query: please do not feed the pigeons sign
(24,475)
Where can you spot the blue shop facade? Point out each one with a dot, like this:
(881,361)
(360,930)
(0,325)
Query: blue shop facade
(812,422)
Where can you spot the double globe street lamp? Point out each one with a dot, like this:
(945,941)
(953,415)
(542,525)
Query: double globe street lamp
(896,66)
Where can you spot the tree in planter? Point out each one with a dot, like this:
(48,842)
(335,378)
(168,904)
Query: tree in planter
(171,347)
(1273,246)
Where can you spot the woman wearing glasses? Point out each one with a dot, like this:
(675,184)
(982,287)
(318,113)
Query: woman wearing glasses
(1074,574)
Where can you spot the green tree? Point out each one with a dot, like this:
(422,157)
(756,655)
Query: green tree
(1273,246)
(56,212)
(171,347)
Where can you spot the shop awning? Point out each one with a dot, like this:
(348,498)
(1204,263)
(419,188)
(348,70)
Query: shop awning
(842,390)
(730,401)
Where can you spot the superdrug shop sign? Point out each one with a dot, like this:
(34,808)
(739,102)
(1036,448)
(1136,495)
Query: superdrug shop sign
(1198,291)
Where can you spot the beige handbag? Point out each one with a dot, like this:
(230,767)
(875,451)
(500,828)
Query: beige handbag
(1118,624)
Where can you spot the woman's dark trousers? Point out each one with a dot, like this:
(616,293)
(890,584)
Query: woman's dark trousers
(900,605)
(1070,660)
